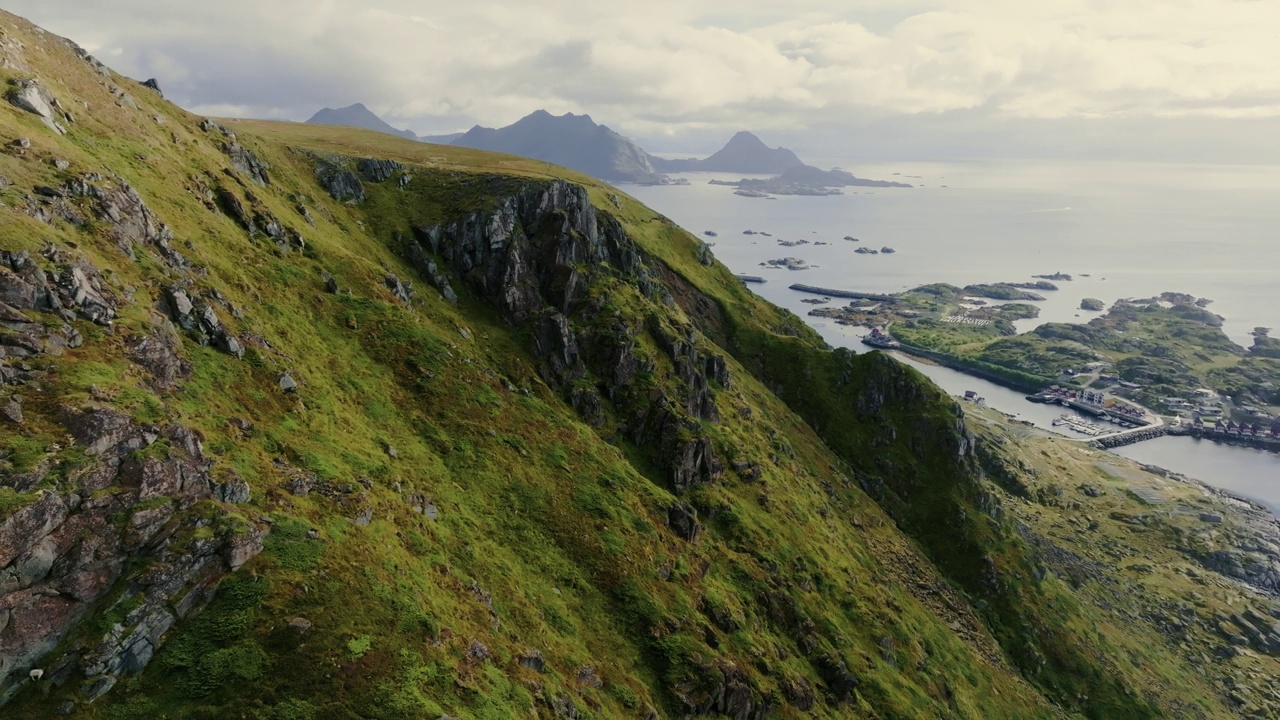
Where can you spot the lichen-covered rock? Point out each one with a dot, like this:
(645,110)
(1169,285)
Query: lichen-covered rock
(402,290)
(232,490)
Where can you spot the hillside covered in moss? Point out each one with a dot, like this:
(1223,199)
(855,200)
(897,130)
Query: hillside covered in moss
(313,422)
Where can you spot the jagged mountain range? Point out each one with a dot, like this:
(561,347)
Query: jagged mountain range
(579,143)
(306,421)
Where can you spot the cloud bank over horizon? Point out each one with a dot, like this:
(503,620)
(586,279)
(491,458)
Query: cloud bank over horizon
(677,71)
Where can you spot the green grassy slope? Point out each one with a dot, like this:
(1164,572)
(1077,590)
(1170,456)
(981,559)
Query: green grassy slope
(865,572)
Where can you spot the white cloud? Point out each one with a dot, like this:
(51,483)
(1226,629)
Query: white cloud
(649,65)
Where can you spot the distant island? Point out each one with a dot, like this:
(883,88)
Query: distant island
(1166,352)
(806,180)
(744,153)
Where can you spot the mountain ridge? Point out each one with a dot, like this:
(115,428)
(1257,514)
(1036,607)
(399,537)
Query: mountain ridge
(307,421)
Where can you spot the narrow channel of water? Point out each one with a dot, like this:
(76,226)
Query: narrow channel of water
(1241,470)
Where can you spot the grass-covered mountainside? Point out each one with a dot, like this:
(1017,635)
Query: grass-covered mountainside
(313,422)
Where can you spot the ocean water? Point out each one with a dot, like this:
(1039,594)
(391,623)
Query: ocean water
(1135,230)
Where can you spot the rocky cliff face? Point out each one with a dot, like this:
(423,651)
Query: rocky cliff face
(131,531)
(534,257)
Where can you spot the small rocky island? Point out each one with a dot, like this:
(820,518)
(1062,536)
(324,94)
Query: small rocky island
(1002,291)
(1092,305)
(789,263)
(804,180)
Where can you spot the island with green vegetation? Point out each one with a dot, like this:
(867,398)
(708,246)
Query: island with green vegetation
(1168,352)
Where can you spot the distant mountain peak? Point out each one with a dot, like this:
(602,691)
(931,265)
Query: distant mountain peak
(357,115)
(744,153)
(574,141)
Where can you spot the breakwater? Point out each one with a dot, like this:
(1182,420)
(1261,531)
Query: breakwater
(841,293)
(750,278)
(1128,438)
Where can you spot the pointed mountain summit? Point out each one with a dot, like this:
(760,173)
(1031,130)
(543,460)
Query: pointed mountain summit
(744,153)
(574,141)
(358,115)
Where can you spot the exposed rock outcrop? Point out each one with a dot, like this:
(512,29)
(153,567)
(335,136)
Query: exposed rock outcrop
(65,551)
(377,171)
(533,257)
(246,162)
(160,353)
(35,98)
(116,204)
(75,288)
(431,273)
(200,321)
(722,689)
(341,183)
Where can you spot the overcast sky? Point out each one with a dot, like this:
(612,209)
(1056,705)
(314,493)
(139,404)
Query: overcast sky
(1198,79)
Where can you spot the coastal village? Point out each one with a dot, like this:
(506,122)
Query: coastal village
(964,328)
(1145,368)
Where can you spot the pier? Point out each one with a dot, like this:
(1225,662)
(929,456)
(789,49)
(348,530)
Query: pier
(842,293)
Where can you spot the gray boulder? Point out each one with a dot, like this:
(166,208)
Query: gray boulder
(33,97)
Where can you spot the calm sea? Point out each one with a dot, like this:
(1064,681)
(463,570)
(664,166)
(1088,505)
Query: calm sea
(1122,231)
